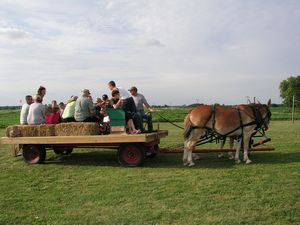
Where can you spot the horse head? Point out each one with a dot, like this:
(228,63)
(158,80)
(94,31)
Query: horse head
(264,115)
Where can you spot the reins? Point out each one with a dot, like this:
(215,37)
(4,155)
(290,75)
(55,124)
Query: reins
(170,121)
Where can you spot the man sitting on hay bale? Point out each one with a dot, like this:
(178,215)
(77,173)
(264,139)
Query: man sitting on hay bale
(84,109)
(25,110)
(37,111)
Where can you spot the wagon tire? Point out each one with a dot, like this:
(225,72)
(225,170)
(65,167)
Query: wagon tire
(34,154)
(63,151)
(131,155)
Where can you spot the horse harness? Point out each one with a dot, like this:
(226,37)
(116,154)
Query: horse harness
(213,135)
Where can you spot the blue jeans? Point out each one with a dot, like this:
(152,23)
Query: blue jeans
(148,117)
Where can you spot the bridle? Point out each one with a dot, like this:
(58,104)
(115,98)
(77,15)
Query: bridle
(261,122)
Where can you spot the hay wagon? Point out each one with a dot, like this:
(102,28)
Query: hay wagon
(131,149)
(63,138)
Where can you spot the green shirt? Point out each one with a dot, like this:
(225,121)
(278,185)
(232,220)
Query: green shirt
(69,111)
(83,108)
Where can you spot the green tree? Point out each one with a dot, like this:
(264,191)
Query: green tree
(288,88)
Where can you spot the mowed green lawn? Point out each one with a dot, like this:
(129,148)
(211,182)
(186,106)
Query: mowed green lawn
(90,187)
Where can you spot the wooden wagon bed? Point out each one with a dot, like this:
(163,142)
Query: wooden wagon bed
(92,139)
(131,148)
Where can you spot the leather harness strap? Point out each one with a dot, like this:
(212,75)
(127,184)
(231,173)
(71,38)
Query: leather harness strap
(257,120)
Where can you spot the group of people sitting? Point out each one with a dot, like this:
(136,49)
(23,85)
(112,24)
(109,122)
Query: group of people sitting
(82,109)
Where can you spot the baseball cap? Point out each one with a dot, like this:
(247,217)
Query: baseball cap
(133,88)
(86,91)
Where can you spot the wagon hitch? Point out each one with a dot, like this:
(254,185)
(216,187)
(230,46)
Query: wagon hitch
(261,142)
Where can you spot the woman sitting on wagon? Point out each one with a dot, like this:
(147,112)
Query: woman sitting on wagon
(69,111)
(117,102)
(53,113)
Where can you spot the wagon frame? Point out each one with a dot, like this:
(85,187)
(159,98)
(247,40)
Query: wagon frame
(132,148)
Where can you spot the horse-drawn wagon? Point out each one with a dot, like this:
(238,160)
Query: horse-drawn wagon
(131,149)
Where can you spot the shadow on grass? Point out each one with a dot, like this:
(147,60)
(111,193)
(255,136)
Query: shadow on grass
(210,160)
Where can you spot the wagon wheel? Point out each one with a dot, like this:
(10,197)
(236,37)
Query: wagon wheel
(63,151)
(33,154)
(131,155)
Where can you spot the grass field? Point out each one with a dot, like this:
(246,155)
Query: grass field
(89,187)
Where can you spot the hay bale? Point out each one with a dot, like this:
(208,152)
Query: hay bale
(22,131)
(12,131)
(46,130)
(30,130)
(61,129)
(76,129)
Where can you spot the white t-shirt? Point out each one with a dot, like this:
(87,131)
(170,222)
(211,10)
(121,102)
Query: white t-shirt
(123,93)
(139,101)
(24,114)
(36,114)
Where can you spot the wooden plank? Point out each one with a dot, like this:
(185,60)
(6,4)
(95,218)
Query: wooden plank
(15,148)
(118,129)
(170,150)
(92,139)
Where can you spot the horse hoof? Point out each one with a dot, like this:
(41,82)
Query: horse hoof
(237,161)
(185,163)
(191,164)
(248,161)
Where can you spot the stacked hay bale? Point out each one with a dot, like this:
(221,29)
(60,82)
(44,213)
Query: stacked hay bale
(46,130)
(76,129)
(62,129)
(30,130)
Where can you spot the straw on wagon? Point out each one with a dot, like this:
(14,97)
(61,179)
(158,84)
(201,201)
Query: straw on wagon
(46,130)
(30,130)
(76,129)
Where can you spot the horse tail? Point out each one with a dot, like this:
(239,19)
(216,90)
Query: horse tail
(187,127)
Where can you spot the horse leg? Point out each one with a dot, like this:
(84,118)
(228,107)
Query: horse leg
(190,144)
(230,154)
(246,148)
(190,158)
(220,155)
(237,152)
(185,154)
(188,152)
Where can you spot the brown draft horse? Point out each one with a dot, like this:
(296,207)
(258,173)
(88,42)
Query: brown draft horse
(240,122)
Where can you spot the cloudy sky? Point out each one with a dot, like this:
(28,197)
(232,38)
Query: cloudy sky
(174,51)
